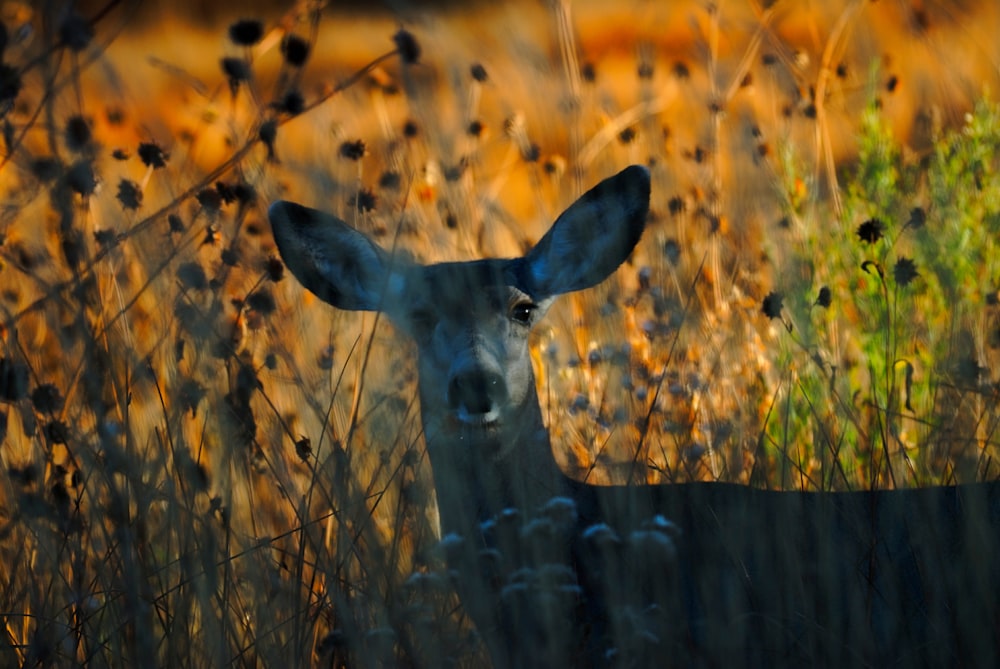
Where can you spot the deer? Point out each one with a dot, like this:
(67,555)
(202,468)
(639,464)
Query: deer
(558,572)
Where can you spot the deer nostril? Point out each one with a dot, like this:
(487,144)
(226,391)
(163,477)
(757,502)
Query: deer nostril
(476,396)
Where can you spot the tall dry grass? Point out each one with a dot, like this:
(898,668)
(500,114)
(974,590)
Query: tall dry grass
(205,466)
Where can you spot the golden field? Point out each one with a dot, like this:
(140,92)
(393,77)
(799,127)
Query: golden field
(205,465)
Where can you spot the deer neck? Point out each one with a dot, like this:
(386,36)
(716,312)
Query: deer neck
(479,473)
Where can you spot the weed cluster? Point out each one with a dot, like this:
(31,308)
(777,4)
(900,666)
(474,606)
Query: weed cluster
(892,331)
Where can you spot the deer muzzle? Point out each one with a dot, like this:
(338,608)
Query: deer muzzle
(476,396)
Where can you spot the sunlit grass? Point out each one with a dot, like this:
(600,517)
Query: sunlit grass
(203,465)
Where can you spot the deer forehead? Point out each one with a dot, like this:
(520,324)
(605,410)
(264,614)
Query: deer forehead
(460,291)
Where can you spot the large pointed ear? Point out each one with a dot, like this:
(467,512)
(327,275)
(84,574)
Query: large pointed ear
(334,261)
(592,238)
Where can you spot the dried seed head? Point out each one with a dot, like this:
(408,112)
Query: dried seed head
(152,155)
(58,433)
(407,46)
(325,359)
(210,199)
(246,382)
(453,173)
(291,103)
(262,301)
(390,180)
(295,50)
(24,476)
(531,153)
(275,269)
(676,205)
(904,271)
(268,133)
(105,237)
(672,251)
(365,200)
(77,133)
(246,32)
(76,32)
(871,230)
(353,150)
(478,72)
(225,191)
(81,178)
(824,299)
(190,395)
(14,378)
(303,448)
(10,86)
(192,275)
(244,192)
(45,169)
(129,194)
(554,166)
(237,71)
(773,304)
(46,398)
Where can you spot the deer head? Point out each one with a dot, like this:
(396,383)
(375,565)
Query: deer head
(470,322)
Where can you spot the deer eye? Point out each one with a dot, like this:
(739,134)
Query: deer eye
(522,312)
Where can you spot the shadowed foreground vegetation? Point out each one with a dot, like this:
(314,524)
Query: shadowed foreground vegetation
(205,466)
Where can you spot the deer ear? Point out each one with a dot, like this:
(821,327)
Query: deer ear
(334,261)
(592,238)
